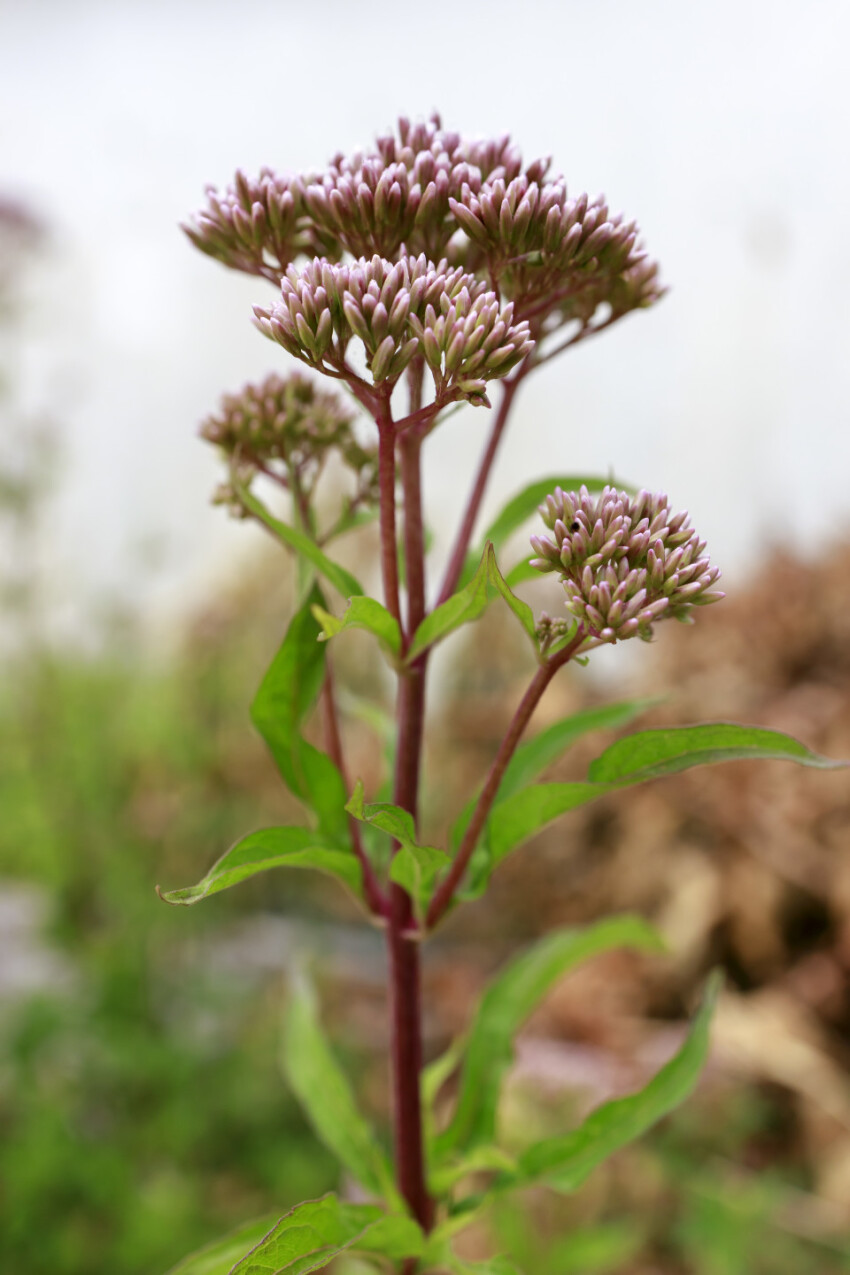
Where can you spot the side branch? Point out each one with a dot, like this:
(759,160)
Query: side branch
(444,894)
(467,526)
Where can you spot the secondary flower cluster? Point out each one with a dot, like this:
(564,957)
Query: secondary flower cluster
(426,190)
(289,426)
(624,561)
(397,310)
(555,255)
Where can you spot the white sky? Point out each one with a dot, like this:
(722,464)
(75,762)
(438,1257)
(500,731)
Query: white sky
(722,127)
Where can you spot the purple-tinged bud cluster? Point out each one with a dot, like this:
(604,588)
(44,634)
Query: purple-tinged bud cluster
(624,561)
(397,310)
(553,255)
(289,425)
(260,225)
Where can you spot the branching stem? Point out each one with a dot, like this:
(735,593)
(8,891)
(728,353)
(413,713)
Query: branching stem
(546,671)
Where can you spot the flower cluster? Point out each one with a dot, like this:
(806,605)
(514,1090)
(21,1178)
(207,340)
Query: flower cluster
(624,561)
(287,426)
(396,310)
(426,190)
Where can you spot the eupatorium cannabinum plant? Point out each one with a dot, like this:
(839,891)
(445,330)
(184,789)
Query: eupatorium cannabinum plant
(428,272)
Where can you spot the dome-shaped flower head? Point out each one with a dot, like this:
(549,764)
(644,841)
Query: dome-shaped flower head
(397,309)
(624,561)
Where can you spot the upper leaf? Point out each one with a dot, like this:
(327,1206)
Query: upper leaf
(468,604)
(461,608)
(287,693)
(362,613)
(505,1006)
(326,1096)
(652,753)
(273,848)
(636,759)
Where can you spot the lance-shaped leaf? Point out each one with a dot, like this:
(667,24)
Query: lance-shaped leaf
(468,604)
(524,505)
(312,1234)
(567,1161)
(653,753)
(413,866)
(343,580)
(634,760)
(273,848)
(286,695)
(362,613)
(325,1094)
(505,1006)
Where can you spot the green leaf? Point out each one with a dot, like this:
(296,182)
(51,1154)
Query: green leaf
(220,1257)
(287,693)
(461,608)
(362,613)
(505,1006)
(343,580)
(468,604)
(653,753)
(273,848)
(634,760)
(566,1162)
(521,609)
(309,1237)
(413,866)
(416,869)
(325,1094)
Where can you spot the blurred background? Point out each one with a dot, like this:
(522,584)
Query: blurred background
(141,1107)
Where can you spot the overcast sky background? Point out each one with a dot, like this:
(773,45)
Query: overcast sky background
(722,127)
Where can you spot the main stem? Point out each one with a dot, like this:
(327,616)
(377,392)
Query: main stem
(402,944)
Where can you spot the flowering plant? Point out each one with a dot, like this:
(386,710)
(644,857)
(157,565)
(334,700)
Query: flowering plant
(419,276)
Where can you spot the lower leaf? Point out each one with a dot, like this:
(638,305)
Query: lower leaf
(566,1162)
(326,1096)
